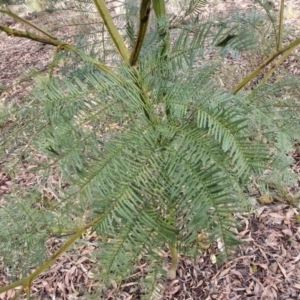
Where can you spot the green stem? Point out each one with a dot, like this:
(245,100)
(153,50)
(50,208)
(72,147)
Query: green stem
(144,21)
(16,17)
(161,14)
(280,32)
(273,68)
(54,60)
(174,264)
(26,282)
(265,6)
(164,34)
(57,43)
(112,29)
(16,296)
(144,94)
(32,36)
(291,46)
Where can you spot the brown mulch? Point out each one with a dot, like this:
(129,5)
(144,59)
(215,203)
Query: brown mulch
(266,267)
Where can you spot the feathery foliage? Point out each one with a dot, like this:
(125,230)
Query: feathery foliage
(149,148)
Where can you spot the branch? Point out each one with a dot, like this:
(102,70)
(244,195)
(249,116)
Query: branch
(281,15)
(144,21)
(57,43)
(112,29)
(16,17)
(273,68)
(27,281)
(288,48)
(161,14)
(174,265)
(32,36)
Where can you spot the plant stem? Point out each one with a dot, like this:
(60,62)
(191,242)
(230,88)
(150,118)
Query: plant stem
(161,14)
(7,11)
(273,68)
(174,264)
(54,60)
(17,295)
(26,282)
(281,15)
(57,43)
(112,29)
(289,48)
(144,21)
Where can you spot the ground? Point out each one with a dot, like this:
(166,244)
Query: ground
(266,265)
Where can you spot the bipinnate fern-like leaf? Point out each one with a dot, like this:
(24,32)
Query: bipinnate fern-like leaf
(154,182)
(158,151)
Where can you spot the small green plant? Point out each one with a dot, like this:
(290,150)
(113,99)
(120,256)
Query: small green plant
(152,153)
